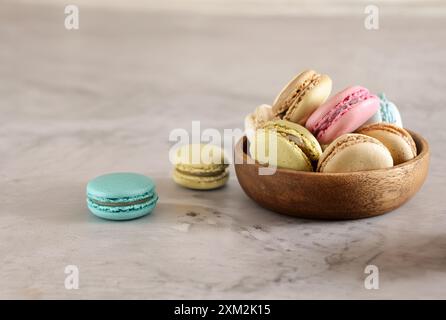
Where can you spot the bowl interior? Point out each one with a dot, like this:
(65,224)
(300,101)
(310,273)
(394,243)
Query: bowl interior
(316,195)
(421,143)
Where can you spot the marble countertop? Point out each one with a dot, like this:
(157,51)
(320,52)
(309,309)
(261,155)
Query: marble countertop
(104,98)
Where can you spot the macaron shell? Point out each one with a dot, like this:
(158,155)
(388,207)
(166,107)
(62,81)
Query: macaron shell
(311,100)
(328,105)
(350,120)
(389,112)
(288,155)
(354,152)
(324,147)
(208,170)
(290,87)
(396,116)
(262,114)
(200,166)
(199,182)
(199,155)
(311,146)
(397,140)
(257,119)
(134,213)
(120,185)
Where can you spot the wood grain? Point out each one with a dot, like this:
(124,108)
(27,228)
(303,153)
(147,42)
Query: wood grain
(333,196)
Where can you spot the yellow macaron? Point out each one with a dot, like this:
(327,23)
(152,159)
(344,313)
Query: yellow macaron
(285,144)
(354,152)
(200,167)
(302,96)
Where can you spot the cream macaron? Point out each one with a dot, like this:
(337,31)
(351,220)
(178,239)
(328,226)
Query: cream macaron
(354,152)
(399,142)
(257,119)
(302,96)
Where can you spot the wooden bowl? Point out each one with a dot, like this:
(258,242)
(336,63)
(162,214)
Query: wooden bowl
(333,196)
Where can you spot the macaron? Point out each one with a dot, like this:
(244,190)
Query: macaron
(399,142)
(121,196)
(257,119)
(200,167)
(296,147)
(387,112)
(343,113)
(354,152)
(301,96)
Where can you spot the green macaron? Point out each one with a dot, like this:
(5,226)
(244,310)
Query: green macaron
(200,167)
(121,196)
(287,145)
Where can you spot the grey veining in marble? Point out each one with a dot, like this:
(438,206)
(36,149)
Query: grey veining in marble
(76,104)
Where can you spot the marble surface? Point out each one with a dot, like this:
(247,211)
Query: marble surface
(76,104)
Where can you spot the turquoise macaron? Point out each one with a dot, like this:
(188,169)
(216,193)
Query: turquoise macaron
(387,112)
(121,196)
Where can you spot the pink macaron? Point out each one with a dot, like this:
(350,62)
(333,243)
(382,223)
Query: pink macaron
(343,113)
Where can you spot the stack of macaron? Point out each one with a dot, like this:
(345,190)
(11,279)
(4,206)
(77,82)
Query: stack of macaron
(353,130)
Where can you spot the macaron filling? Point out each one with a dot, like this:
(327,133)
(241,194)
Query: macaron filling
(339,110)
(119,204)
(203,178)
(118,200)
(202,173)
(114,207)
(122,204)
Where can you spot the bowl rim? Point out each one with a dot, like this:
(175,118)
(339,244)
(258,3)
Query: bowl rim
(420,141)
